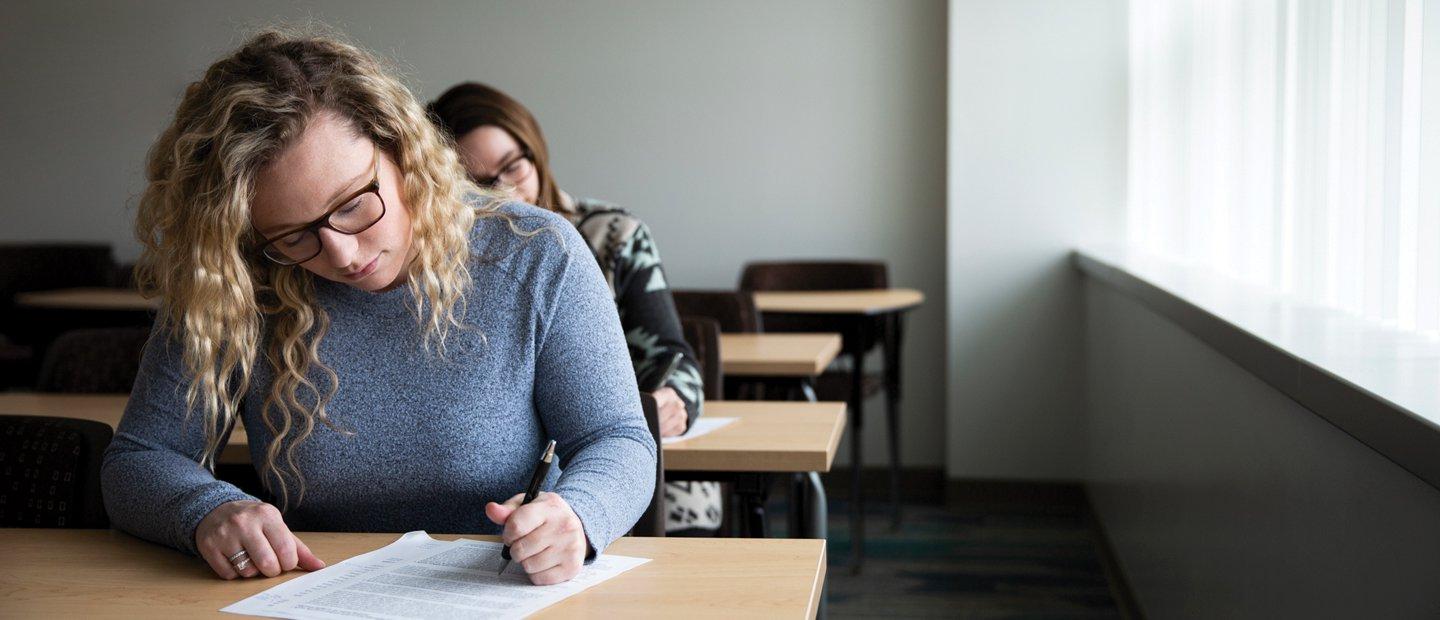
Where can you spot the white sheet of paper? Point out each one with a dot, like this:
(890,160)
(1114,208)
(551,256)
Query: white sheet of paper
(420,577)
(702,426)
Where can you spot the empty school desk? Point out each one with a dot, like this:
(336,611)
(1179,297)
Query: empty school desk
(857,311)
(768,438)
(45,315)
(793,356)
(101,299)
(104,573)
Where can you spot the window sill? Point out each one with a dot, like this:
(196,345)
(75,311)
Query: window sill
(1380,385)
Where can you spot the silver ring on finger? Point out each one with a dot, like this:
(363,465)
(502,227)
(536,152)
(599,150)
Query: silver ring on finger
(235,557)
(241,565)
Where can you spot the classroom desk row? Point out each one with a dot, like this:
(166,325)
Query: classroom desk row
(768,438)
(741,355)
(105,573)
(797,358)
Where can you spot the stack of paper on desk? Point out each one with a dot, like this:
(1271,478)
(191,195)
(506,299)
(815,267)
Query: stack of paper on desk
(420,577)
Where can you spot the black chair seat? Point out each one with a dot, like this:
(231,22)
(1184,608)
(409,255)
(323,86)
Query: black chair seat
(50,472)
(94,361)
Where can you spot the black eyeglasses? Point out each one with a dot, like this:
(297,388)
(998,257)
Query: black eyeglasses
(512,173)
(353,215)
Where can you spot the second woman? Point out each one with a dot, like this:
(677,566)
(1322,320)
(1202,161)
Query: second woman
(501,145)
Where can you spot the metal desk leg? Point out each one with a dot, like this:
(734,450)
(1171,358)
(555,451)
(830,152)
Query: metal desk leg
(891,340)
(857,460)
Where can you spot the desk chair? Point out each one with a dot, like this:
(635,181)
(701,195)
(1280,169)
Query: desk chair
(703,336)
(50,472)
(735,313)
(93,361)
(15,363)
(860,338)
(28,267)
(652,521)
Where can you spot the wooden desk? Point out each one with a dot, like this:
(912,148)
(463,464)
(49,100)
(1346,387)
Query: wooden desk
(868,302)
(860,313)
(109,299)
(798,439)
(107,408)
(769,437)
(777,355)
(104,573)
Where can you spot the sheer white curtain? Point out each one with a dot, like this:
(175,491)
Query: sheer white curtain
(1294,144)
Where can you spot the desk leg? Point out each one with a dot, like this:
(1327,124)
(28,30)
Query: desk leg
(798,517)
(891,341)
(819,528)
(857,460)
(809,517)
(753,491)
(818,511)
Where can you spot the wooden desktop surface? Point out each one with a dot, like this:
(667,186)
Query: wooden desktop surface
(874,301)
(87,299)
(777,355)
(104,573)
(770,436)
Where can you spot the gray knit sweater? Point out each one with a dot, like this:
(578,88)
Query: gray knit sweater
(433,439)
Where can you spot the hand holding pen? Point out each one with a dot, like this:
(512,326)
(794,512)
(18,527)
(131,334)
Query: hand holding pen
(541,532)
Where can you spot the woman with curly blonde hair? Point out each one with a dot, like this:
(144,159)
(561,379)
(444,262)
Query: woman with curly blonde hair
(397,345)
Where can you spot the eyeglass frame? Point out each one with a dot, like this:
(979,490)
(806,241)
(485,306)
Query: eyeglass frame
(494,181)
(314,226)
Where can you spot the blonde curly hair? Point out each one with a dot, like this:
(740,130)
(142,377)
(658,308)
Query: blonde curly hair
(218,295)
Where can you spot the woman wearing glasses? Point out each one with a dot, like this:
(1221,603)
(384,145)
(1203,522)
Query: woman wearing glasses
(398,347)
(501,145)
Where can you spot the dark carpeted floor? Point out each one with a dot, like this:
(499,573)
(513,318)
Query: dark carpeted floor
(975,561)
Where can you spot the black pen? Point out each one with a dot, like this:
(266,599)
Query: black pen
(541,469)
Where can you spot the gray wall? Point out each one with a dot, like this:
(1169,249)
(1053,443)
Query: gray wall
(1037,162)
(737,130)
(1223,498)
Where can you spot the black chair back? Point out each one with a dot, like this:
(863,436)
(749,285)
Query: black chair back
(815,276)
(28,267)
(703,335)
(734,310)
(50,472)
(93,360)
(652,522)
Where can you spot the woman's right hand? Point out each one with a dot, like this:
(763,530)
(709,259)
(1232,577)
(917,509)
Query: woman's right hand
(258,528)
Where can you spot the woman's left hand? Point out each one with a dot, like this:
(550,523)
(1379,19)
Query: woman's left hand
(545,536)
(671,410)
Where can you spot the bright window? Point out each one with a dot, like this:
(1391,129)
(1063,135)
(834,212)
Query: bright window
(1293,144)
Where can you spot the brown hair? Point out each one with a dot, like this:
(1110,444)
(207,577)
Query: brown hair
(471,105)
